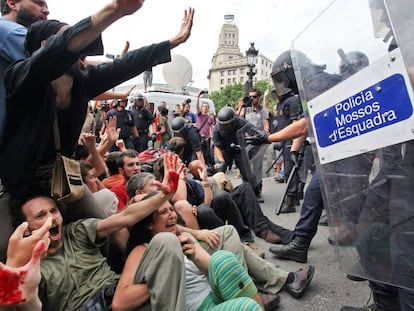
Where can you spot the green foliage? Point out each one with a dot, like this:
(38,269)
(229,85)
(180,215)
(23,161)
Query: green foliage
(229,95)
(232,93)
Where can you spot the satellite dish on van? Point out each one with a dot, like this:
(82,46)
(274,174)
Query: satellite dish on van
(178,72)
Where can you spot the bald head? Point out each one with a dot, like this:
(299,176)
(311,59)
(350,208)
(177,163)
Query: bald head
(194,166)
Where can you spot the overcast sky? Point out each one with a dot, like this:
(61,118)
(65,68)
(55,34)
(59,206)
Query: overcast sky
(271,24)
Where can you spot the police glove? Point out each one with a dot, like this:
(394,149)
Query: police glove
(294,158)
(278,145)
(257,140)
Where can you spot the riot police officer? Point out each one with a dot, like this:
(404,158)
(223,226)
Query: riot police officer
(193,149)
(285,83)
(142,119)
(227,145)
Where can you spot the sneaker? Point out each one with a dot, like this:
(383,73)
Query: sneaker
(270,301)
(255,248)
(269,236)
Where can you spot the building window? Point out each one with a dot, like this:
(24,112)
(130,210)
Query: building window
(234,80)
(241,71)
(229,72)
(221,73)
(234,72)
(228,81)
(241,79)
(222,81)
(230,57)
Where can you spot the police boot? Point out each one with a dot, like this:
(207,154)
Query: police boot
(296,250)
(301,187)
(288,205)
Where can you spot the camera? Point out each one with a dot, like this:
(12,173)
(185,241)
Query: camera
(247,101)
(188,100)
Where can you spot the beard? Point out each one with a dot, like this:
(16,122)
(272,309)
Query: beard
(25,17)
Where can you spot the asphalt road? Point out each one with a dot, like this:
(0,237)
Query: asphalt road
(330,289)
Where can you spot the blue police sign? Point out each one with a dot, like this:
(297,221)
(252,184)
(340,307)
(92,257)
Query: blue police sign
(380,105)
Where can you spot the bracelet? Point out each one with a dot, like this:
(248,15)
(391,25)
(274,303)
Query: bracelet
(206,184)
(196,241)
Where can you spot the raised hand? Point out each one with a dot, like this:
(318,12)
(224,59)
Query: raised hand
(185,31)
(111,133)
(88,140)
(172,171)
(19,249)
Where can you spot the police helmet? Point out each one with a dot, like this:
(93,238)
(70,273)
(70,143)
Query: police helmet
(118,101)
(226,115)
(178,124)
(134,96)
(283,75)
(354,61)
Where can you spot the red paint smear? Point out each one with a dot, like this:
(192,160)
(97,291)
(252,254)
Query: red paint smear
(9,286)
(174,177)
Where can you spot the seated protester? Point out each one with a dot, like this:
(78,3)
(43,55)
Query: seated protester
(23,267)
(144,183)
(128,165)
(252,215)
(105,197)
(211,212)
(210,280)
(115,177)
(75,275)
(265,274)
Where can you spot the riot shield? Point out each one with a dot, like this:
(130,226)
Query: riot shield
(251,156)
(361,127)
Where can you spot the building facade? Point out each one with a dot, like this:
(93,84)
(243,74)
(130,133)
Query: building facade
(229,65)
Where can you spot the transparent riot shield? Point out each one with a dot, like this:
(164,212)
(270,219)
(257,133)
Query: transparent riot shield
(251,157)
(362,131)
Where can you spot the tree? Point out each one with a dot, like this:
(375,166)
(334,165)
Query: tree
(232,93)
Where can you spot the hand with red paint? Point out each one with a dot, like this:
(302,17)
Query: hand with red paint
(172,171)
(19,286)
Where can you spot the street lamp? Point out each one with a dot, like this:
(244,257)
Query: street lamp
(251,55)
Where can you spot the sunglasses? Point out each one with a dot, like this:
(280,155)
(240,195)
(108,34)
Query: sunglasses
(253,96)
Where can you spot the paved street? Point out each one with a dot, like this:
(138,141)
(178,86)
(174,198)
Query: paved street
(330,289)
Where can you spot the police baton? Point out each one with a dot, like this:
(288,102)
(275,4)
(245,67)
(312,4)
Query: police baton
(292,173)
